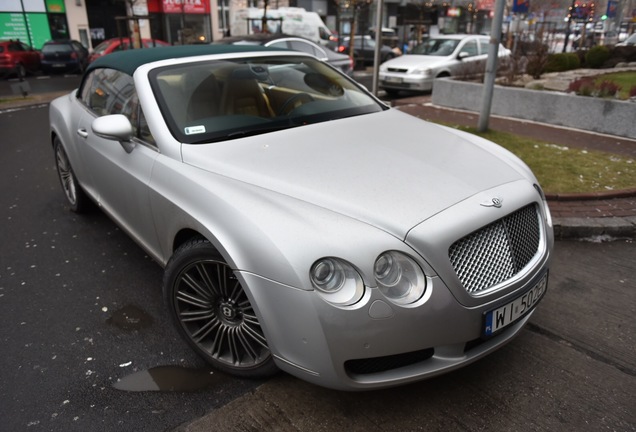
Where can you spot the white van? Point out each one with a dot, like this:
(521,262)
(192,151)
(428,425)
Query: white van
(290,21)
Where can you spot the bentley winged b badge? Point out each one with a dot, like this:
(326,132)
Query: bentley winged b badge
(494,202)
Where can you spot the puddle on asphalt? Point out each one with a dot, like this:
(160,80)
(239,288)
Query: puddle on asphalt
(170,378)
(130,318)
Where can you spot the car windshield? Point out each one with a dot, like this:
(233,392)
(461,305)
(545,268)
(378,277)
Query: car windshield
(102,47)
(56,48)
(224,99)
(436,47)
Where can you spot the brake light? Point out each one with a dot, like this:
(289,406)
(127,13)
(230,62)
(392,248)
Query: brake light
(342,48)
(73,55)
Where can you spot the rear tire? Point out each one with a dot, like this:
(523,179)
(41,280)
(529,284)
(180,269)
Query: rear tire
(213,313)
(78,201)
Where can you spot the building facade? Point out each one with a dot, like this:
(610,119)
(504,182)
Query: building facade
(202,21)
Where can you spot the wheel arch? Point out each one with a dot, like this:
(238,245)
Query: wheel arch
(185,235)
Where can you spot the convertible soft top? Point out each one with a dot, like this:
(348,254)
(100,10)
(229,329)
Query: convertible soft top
(128,61)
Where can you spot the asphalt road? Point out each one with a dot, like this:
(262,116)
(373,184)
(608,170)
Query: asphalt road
(87,345)
(81,311)
(39,84)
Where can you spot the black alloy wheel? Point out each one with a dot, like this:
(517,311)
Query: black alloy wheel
(75,196)
(213,312)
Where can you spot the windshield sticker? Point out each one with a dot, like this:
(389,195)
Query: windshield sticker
(193,130)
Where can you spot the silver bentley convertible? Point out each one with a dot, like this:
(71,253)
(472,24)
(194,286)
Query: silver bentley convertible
(303,225)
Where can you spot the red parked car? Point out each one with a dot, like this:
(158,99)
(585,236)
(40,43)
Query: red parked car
(17,58)
(120,44)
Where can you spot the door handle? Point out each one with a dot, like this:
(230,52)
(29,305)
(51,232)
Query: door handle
(82,132)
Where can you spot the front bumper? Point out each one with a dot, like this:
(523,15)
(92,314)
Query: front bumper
(405,82)
(375,344)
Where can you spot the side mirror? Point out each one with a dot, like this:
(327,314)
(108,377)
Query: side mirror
(462,55)
(114,127)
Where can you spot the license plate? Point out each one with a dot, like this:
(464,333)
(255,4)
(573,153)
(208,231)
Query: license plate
(59,65)
(393,79)
(507,314)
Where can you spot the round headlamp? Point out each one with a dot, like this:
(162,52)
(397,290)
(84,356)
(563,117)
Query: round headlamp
(399,277)
(337,281)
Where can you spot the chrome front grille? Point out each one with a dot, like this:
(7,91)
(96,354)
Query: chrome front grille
(497,252)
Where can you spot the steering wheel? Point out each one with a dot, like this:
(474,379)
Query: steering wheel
(294,102)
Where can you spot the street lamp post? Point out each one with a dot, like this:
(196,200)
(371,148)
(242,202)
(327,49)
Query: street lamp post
(491,65)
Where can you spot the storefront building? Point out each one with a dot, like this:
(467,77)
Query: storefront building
(36,21)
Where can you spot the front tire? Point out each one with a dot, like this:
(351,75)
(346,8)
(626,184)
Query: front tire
(213,313)
(75,196)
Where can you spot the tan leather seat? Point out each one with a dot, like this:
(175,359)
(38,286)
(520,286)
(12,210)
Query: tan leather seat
(243,95)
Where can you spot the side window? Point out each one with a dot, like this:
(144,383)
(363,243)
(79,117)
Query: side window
(120,47)
(279,44)
(144,131)
(86,88)
(305,47)
(484,46)
(470,47)
(15,47)
(108,91)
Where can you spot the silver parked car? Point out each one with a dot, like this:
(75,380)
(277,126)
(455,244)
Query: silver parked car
(437,57)
(304,225)
(294,43)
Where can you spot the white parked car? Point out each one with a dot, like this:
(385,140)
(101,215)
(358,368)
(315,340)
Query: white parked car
(304,225)
(630,41)
(437,57)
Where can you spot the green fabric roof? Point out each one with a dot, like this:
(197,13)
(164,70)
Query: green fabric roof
(128,61)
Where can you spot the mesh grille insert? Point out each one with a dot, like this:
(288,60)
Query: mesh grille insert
(498,251)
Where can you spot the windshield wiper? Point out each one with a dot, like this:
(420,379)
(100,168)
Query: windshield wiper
(248,132)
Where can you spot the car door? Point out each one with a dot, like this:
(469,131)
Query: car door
(120,172)
(472,62)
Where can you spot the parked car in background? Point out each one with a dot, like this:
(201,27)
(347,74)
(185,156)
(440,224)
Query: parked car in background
(437,57)
(303,224)
(364,49)
(630,41)
(17,58)
(63,56)
(120,44)
(340,61)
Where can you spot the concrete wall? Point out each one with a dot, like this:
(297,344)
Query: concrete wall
(563,109)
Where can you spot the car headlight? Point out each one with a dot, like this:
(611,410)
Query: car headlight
(399,278)
(422,72)
(337,281)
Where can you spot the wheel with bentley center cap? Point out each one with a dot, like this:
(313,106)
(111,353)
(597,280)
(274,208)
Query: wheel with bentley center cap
(213,313)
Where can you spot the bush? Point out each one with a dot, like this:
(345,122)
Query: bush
(562,62)
(582,86)
(608,89)
(597,56)
(588,86)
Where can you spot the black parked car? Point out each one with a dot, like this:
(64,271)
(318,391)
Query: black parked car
(364,50)
(63,56)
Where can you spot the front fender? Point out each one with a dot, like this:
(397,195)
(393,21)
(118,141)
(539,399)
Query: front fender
(259,231)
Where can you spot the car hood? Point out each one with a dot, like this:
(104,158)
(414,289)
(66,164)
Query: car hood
(410,61)
(388,169)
